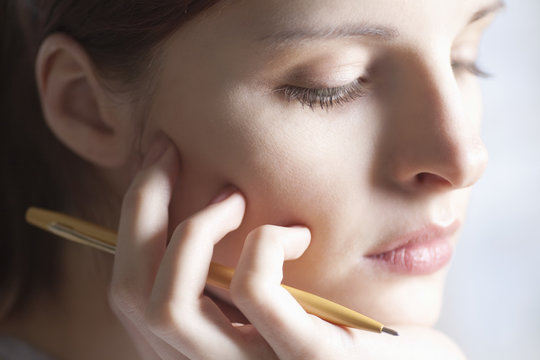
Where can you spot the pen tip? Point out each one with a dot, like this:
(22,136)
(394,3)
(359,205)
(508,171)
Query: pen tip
(389,331)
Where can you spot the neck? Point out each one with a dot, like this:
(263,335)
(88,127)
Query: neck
(76,322)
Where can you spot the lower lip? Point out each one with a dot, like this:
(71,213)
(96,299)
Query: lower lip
(416,258)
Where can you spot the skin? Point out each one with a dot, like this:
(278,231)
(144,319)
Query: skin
(321,187)
(358,162)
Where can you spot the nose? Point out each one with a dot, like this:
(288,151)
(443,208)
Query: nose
(435,130)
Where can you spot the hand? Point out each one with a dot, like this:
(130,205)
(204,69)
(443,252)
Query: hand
(157,286)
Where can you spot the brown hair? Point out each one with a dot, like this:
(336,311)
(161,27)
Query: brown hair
(120,37)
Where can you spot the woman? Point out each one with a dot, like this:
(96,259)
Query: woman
(341,138)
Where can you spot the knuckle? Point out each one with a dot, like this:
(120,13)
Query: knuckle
(139,190)
(263,232)
(158,318)
(241,288)
(134,197)
(315,354)
(123,298)
(248,290)
(191,227)
(168,318)
(266,236)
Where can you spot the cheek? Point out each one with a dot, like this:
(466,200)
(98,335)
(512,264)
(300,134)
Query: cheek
(284,159)
(278,160)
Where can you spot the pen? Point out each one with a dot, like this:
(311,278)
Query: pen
(104,239)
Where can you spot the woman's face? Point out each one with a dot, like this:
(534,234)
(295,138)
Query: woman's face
(357,118)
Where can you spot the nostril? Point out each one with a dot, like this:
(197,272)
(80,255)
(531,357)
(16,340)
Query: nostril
(430,179)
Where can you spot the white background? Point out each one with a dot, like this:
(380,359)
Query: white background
(492,302)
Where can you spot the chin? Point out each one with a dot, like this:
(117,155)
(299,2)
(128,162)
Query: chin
(415,301)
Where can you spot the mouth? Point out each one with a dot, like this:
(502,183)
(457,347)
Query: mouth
(420,252)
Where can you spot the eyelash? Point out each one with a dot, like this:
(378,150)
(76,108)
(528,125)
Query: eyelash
(470,67)
(327,98)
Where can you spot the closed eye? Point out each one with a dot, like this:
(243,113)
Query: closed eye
(469,67)
(325,98)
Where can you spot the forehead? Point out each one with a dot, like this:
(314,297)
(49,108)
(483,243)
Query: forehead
(269,19)
(241,36)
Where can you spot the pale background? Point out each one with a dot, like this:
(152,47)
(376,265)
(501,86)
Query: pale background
(492,302)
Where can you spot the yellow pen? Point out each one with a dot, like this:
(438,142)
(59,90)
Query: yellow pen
(104,239)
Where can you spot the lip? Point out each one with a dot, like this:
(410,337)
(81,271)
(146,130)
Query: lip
(420,252)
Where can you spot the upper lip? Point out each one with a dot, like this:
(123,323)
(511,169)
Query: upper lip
(424,234)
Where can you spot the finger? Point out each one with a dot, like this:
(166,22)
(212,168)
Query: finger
(142,234)
(184,269)
(257,292)
(177,310)
(147,344)
(141,242)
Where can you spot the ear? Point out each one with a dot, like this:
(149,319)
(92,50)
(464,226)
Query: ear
(78,109)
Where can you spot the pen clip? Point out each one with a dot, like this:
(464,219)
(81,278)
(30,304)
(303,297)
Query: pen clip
(74,235)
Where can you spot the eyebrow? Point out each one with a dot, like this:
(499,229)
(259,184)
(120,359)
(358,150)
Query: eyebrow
(356,30)
(347,31)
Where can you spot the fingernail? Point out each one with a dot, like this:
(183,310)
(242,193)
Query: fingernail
(158,147)
(301,228)
(302,231)
(224,194)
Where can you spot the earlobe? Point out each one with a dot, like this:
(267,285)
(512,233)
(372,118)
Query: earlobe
(78,109)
